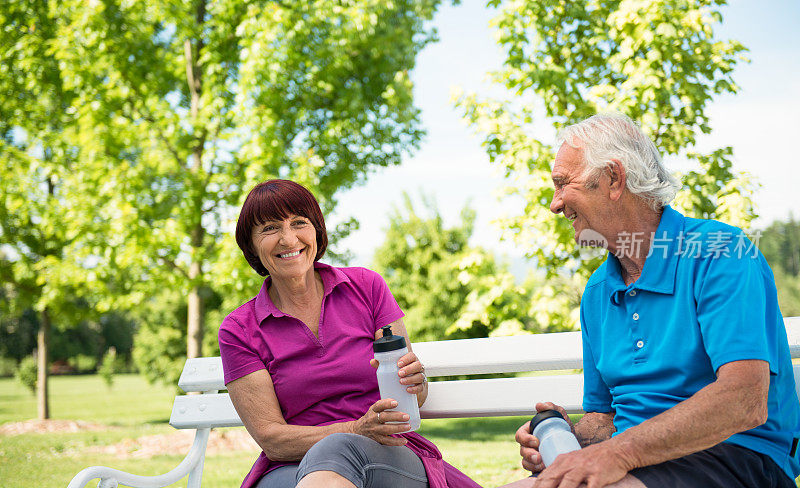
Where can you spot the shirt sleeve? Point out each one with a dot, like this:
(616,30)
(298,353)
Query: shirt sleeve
(238,357)
(731,307)
(596,394)
(385,309)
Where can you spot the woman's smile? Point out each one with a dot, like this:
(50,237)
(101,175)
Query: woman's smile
(290,254)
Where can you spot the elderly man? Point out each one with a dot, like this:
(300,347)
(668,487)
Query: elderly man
(687,373)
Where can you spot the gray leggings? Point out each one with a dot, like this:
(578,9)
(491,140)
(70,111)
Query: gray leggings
(364,462)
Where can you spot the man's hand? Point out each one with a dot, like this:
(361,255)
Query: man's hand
(597,466)
(529,449)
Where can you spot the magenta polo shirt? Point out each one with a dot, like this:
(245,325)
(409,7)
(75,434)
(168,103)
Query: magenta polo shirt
(326,379)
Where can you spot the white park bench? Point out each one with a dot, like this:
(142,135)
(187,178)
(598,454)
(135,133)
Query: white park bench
(558,353)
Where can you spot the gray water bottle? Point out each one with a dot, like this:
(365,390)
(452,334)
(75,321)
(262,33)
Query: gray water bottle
(555,436)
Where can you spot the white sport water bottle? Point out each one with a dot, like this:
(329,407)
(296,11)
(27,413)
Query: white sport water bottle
(555,436)
(388,350)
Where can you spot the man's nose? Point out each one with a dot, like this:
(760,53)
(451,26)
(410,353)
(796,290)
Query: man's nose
(556,206)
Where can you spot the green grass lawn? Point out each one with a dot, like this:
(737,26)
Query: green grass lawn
(129,402)
(482,448)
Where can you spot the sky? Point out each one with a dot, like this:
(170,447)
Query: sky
(760,122)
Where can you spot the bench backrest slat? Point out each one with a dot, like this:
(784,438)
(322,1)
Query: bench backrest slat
(202,374)
(201,411)
(446,399)
(539,352)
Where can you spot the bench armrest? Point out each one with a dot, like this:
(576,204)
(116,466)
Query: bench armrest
(191,465)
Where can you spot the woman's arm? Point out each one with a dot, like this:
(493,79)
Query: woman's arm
(254,398)
(412,372)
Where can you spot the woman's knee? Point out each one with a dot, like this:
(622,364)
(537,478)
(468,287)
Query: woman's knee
(364,462)
(337,444)
(340,453)
(341,438)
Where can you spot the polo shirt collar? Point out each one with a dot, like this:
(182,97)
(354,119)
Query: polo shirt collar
(660,266)
(331,278)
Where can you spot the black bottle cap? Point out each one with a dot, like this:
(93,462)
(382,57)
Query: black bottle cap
(388,342)
(542,416)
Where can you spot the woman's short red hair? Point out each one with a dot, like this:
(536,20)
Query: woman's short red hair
(277,200)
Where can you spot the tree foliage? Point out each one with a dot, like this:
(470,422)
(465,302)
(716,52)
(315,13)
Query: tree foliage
(715,191)
(157,117)
(657,61)
(780,243)
(43,237)
(447,288)
(160,341)
(418,261)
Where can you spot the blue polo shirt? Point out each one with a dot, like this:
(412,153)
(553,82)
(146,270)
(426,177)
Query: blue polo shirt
(706,297)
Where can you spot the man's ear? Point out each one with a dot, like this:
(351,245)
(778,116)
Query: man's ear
(617,179)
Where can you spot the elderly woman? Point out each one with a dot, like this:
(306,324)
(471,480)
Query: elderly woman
(298,360)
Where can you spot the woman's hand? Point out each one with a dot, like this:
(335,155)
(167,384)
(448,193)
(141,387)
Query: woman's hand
(411,372)
(374,423)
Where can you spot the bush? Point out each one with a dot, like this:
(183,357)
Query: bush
(8,366)
(83,363)
(159,350)
(108,367)
(26,373)
(788,292)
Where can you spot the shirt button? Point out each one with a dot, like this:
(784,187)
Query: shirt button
(632,293)
(639,344)
(636,316)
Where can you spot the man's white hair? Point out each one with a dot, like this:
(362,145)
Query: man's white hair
(605,137)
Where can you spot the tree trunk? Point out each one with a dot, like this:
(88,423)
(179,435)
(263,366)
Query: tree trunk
(42,360)
(195,312)
(195,325)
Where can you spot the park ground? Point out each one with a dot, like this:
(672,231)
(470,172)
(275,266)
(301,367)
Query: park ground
(125,427)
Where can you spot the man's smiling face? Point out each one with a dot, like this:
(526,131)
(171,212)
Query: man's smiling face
(582,204)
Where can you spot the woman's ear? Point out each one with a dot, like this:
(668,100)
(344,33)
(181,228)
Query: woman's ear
(617,179)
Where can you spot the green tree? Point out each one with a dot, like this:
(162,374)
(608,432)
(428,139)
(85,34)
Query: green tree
(160,341)
(176,109)
(780,243)
(43,237)
(657,61)
(788,292)
(447,288)
(716,191)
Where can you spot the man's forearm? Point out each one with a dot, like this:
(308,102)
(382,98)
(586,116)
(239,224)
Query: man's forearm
(707,418)
(594,427)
